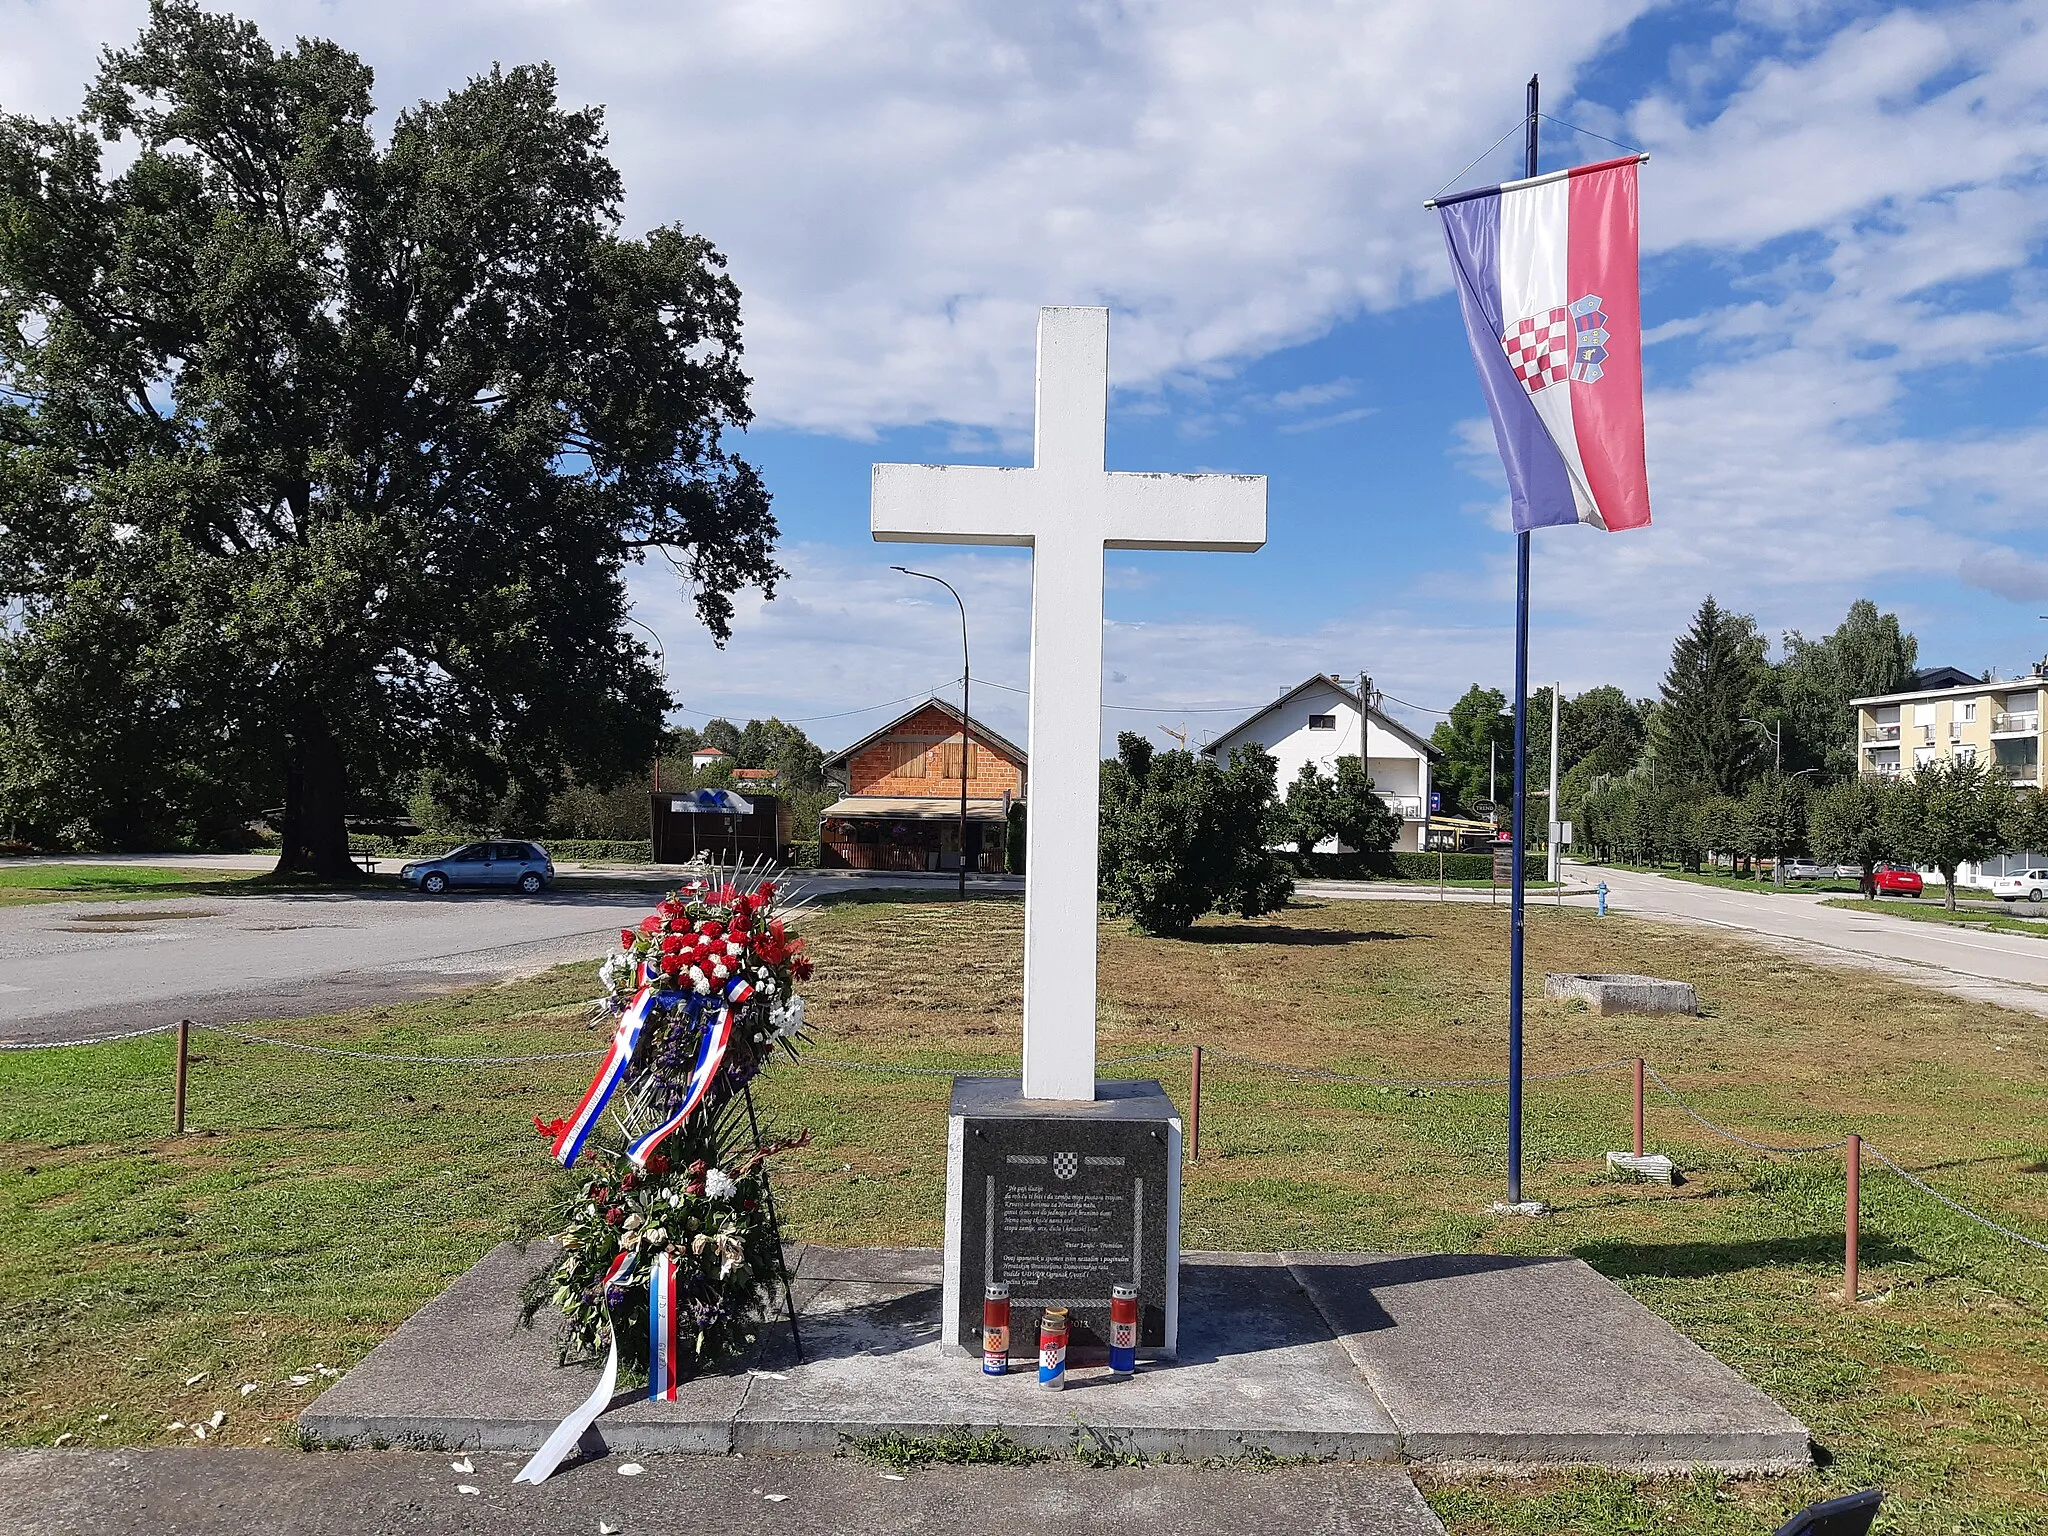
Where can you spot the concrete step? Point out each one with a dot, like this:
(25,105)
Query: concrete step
(1360,1357)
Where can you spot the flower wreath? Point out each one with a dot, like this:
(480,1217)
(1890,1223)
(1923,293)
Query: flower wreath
(669,1250)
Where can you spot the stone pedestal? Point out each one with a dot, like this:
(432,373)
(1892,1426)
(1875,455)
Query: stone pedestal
(1063,1200)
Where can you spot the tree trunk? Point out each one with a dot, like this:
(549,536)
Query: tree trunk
(315,805)
(1948,886)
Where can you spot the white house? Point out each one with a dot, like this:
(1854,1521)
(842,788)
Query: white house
(1318,722)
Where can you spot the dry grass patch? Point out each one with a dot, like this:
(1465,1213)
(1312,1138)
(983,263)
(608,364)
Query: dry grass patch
(329,1199)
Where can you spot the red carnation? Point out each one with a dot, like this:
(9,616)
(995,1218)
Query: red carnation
(650,925)
(801,969)
(626,938)
(710,926)
(614,1216)
(658,1164)
(551,1129)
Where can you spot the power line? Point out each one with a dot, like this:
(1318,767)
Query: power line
(1130,709)
(1146,709)
(922,693)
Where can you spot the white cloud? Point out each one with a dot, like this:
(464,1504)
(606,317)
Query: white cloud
(900,183)
(2008,573)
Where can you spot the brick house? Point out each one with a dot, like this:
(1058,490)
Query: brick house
(901,806)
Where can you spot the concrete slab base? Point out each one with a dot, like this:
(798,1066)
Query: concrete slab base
(1358,1357)
(1623,994)
(1655,1166)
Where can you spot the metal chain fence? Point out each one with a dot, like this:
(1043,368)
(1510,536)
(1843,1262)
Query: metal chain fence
(1316,1074)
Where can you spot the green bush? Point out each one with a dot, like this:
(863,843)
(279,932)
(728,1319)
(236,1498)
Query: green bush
(804,855)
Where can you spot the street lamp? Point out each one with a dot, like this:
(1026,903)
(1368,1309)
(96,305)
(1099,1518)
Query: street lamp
(661,652)
(1777,735)
(965,718)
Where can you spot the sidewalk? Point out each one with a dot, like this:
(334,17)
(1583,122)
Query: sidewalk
(197,1492)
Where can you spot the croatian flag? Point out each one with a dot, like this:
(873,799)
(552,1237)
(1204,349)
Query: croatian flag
(1546,273)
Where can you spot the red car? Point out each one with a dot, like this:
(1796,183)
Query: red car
(1898,882)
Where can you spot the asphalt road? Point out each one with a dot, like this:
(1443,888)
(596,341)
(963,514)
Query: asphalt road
(80,968)
(2009,969)
(75,969)
(193,1492)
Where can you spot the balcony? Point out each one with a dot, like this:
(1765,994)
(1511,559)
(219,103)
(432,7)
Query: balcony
(1881,736)
(1407,807)
(2027,724)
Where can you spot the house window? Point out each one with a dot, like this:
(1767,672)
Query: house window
(1970,710)
(954,751)
(1322,722)
(910,759)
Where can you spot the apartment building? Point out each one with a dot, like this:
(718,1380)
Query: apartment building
(1994,722)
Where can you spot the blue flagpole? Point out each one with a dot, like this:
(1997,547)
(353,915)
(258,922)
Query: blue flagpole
(1515,887)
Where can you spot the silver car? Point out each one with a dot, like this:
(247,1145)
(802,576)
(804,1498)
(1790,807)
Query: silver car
(501,866)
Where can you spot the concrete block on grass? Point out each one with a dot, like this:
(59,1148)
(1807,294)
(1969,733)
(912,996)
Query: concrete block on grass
(1614,993)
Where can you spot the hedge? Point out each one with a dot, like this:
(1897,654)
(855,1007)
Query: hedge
(579,850)
(1397,865)
(804,855)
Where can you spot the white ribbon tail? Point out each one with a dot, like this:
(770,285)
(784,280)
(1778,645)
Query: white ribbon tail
(564,1439)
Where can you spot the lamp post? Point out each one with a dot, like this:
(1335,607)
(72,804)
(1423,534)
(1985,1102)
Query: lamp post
(965,718)
(1777,735)
(661,652)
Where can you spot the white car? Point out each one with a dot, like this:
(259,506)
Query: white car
(2027,885)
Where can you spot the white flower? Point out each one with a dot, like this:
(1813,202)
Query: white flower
(718,1185)
(789,1020)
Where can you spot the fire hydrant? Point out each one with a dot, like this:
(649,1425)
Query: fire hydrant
(1601,891)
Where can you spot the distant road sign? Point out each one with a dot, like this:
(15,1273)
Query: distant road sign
(1436,801)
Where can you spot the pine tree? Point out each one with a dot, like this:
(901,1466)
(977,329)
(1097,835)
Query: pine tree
(1718,674)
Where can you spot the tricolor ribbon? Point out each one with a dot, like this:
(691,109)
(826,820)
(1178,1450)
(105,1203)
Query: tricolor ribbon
(559,1444)
(664,1333)
(710,1057)
(610,1073)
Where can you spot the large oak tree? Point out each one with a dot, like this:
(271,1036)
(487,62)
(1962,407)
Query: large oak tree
(323,455)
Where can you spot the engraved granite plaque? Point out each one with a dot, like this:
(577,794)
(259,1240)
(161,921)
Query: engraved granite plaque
(1063,1201)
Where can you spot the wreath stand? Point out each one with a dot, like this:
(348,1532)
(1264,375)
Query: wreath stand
(774,1225)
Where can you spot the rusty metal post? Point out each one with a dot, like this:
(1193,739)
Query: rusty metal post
(1194,1102)
(178,1082)
(1639,1106)
(1852,1214)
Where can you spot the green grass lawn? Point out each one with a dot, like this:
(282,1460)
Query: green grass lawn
(24,883)
(1932,911)
(1728,881)
(318,1202)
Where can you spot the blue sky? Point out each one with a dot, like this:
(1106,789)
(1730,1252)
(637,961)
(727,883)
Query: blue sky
(1843,295)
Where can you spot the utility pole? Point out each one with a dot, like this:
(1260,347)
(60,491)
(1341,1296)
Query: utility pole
(1556,821)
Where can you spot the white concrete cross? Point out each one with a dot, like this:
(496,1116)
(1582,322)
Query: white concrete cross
(1067,510)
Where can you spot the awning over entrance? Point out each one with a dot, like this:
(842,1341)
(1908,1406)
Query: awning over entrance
(909,808)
